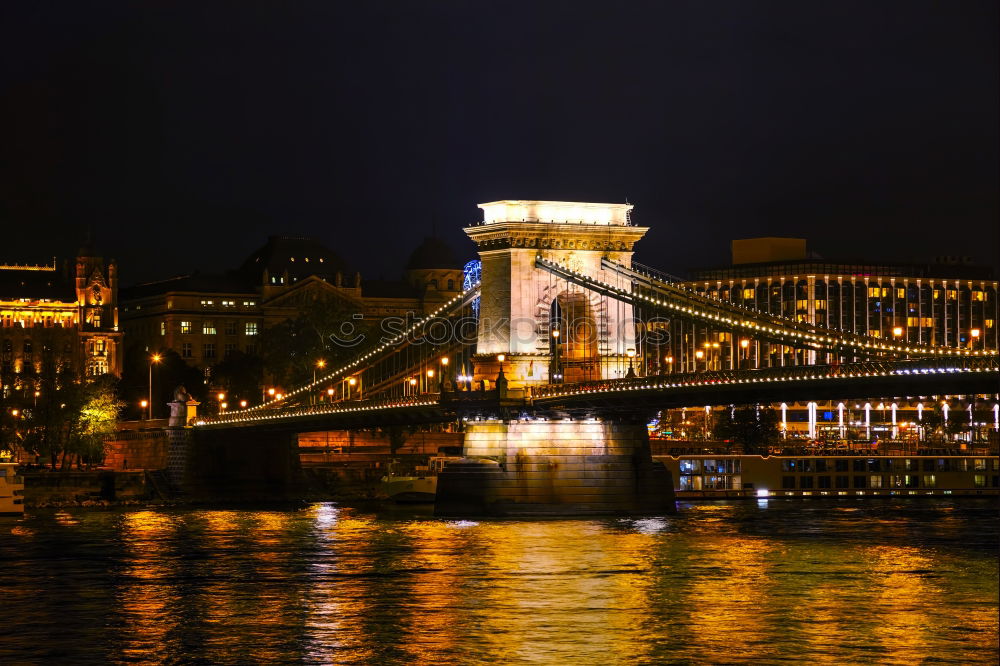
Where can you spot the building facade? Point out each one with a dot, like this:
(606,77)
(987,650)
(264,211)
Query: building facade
(60,319)
(207,317)
(947,303)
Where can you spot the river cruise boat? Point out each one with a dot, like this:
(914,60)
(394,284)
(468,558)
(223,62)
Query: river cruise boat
(11,490)
(421,486)
(712,476)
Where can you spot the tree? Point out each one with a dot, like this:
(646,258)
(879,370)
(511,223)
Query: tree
(753,426)
(292,347)
(97,420)
(241,375)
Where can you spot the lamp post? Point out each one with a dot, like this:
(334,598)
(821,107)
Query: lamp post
(670,364)
(351,383)
(631,369)
(155,358)
(556,367)
(745,346)
(699,354)
(430,380)
(974,338)
(444,381)
(413,385)
(145,405)
(243,404)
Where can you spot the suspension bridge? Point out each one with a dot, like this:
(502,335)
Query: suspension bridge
(536,361)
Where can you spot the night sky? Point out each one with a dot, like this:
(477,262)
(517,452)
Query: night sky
(186,133)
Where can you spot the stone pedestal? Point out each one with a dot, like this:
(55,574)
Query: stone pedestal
(537,467)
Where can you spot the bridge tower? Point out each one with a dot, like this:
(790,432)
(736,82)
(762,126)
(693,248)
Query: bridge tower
(522,305)
(522,463)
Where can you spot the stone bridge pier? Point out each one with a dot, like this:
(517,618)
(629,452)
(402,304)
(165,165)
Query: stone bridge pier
(555,467)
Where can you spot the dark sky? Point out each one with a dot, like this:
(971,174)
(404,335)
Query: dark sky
(186,133)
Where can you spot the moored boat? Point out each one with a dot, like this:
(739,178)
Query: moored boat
(418,487)
(712,476)
(11,490)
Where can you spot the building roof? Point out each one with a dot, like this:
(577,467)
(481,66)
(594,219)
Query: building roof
(946,271)
(301,257)
(388,289)
(35,284)
(226,283)
(433,253)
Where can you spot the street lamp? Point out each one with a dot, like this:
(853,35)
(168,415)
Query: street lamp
(557,366)
(145,405)
(631,370)
(699,354)
(745,346)
(670,364)
(320,364)
(243,404)
(501,357)
(37,393)
(897,331)
(155,358)
(975,338)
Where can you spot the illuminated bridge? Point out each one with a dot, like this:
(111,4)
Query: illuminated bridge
(536,362)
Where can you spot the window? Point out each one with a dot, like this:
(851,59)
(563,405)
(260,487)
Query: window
(206,304)
(840,465)
(252,349)
(979,464)
(251,328)
(451,286)
(186,350)
(748,294)
(805,482)
(208,350)
(860,481)
(185,327)
(229,349)
(822,481)
(874,481)
(980,480)
(821,467)
(228,304)
(842,482)
(96,321)
(788,482)
(930,481)
(208,328)
(163,328)
(231,327)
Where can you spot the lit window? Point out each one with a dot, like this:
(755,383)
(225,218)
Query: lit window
(185,327)
(163,328)
(900,292)
(977,295)
(251,328)
(748,293)
(208,328)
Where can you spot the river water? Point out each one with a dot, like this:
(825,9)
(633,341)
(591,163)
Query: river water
(876,581)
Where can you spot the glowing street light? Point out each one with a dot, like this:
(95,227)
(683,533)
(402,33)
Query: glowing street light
(155,358)
(221,396)
(897,331)
(145,406)
(243,404)
(975,338)
(631,370)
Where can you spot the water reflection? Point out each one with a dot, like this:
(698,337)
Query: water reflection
(826,583)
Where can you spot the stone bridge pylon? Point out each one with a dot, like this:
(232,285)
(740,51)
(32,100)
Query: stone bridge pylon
(537,329)
(548,329)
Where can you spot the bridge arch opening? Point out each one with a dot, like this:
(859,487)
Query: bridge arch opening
(575,349)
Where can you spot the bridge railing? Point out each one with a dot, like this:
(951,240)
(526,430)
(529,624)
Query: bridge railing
(346,407)
(797,373)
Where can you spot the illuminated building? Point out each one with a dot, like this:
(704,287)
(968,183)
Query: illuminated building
(207,317)
(63,318)
(948,303)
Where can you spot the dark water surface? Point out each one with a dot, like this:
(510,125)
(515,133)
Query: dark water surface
(877,581)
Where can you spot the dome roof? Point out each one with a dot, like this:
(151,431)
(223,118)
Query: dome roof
(432,253)
(301,257)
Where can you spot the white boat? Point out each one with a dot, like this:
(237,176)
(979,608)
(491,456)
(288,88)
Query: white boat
(420,487)
(11,490)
